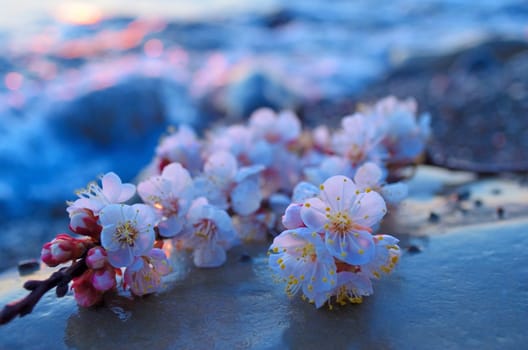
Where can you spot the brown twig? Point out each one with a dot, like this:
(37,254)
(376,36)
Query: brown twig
(58,279)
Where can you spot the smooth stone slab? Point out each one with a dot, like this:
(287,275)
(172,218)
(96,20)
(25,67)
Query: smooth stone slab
(467,289)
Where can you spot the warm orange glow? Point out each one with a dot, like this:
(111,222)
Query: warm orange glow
(13,81)
(80,13)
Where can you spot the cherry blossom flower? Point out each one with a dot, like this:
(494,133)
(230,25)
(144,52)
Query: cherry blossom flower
(299,257)
(180,147)
(63,248)
(281,128)
(346,218)
(241,142)
(225,185)
(170,195)
(144,275)
(128,231)
(370,177)
(85,210)
(359,140)
(405,133)
(209,232)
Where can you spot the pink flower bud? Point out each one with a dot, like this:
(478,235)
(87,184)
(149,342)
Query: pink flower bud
(104,279)
(84,291)
(85,222)
(292,217)
(96,258)
(62,249)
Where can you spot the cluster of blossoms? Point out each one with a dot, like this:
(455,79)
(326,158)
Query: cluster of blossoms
(328,250)
(115,236)
(231,186)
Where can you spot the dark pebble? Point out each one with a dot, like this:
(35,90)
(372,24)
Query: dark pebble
(434,217)
(500,212)
(414,249)
(478,203)
(463,195)
(245,258)
(496,191)
(26,267)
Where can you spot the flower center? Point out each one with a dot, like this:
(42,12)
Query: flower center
(307,251)
(126,233)
(342,224)
(205,229)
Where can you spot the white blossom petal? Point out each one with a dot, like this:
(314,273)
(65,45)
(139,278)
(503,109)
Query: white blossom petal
(246,197)
(313,214)
(368,209)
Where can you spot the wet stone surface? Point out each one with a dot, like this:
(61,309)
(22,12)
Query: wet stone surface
(466,288)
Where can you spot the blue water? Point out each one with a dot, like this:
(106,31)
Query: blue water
(81,102)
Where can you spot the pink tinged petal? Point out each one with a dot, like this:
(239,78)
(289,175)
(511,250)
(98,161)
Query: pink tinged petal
(355,248)
(246,197)
(222,165)
(149,190)
(172,226)
(313,214)
(127,192)
(103,280)
(178,176)
(292,216)
(111,186)
(288,125)
(368,175)
(339,192)
(289,240)
(395,193)
(210,255)
(195,211)
(160,261)
(77,220)
(368,209)
(121,257)
(262,119)
(303,191)
(96,258)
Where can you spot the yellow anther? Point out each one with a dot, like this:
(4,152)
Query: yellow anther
(321,187)
(307,205)
(361,251)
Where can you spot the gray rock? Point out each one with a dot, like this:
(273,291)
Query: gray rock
(466,289)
